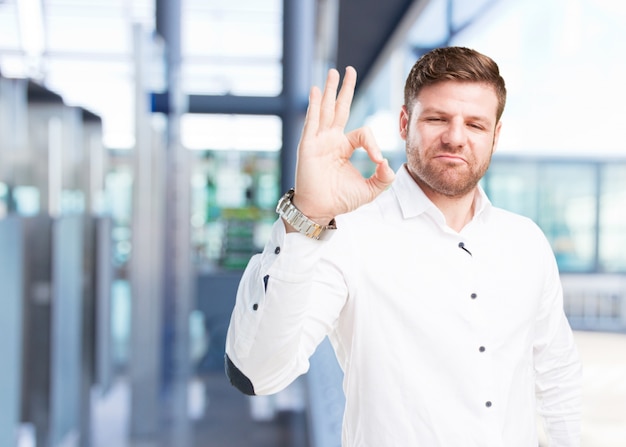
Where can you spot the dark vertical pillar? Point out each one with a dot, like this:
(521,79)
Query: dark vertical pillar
(298,57)
(177,268)
(168,26)
(167,14)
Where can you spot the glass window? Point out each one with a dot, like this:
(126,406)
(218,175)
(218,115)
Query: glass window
(567,213)
(612,237)
(233,198)
(233,78)
(231,132)
(232,47)
(513,186)
(235,185)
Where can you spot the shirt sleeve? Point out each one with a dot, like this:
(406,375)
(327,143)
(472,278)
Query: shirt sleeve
(282,311)
(558,369)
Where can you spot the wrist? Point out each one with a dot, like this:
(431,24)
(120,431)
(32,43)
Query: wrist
(320,220)
(295,220)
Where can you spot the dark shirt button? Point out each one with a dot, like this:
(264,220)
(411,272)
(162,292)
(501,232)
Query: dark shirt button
(277,250)
(255,306)
(462,247)
(481,349)
(488,404)
(473,296)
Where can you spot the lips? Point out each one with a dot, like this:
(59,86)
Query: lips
(453,158)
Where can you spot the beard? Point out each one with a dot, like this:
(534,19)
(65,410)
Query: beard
(450,179)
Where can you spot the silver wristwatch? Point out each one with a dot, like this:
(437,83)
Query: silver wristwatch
(294,217)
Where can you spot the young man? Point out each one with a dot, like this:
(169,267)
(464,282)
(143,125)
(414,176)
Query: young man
(445,312)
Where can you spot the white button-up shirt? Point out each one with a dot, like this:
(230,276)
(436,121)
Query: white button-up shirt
(445,338)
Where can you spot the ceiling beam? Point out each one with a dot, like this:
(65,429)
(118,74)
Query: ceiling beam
(369,30)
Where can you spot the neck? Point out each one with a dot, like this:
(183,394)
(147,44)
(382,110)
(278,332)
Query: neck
(457,210)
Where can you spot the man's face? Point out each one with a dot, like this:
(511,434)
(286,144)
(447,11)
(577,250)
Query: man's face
(450,135)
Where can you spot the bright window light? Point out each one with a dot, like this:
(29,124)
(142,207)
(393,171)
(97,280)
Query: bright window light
(231,132)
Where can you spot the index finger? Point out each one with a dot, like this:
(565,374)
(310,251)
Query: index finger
(344,98)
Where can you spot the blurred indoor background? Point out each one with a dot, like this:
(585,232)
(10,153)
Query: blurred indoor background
(145,143)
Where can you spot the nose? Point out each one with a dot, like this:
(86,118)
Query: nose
(455,135)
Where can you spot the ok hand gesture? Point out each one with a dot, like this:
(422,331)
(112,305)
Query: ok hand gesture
(327,184)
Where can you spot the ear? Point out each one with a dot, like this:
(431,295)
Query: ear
(496,136)
(404,122)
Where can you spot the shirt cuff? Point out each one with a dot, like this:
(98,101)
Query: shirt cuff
(293,255)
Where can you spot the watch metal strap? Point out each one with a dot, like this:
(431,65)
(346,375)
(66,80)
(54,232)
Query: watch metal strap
(294,217)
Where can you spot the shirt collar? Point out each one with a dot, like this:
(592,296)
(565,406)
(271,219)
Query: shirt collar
(414,202)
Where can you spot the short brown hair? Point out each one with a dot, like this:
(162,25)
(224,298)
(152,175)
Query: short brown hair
(454,64)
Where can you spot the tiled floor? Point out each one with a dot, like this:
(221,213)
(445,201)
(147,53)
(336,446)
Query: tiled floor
(227,421)
(226,417)
(604,389)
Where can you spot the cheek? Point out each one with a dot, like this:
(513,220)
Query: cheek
(419,140)
(413,149)
(411,135)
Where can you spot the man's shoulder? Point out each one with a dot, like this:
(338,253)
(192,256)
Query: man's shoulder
(513,221)
(499,213)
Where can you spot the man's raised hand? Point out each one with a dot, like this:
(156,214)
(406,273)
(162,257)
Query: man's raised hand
(327,184)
